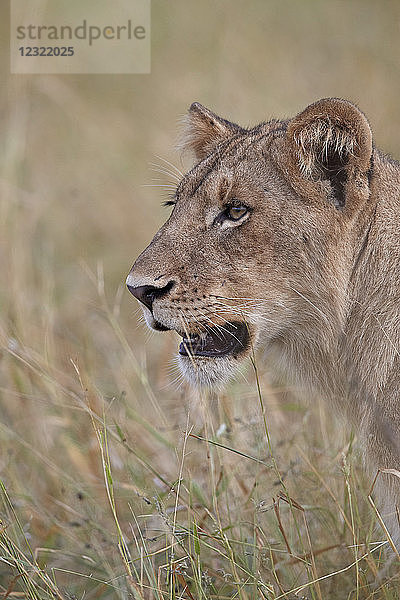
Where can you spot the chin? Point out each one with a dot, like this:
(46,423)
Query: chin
(212,373)
(212,358)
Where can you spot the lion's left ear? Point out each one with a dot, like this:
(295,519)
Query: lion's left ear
(204,130)
(331,140)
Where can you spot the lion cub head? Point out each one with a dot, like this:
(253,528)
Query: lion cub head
(260,241)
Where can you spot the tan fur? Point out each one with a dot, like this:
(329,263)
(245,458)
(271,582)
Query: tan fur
(313,269)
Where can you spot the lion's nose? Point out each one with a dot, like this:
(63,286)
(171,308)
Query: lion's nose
(146,294)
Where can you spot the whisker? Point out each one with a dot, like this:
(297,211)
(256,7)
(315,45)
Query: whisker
(163,185)
(222,328)
(241,313)
(188,348)
(176,377)
(248,303)
(213,324)
(240,298)
(171,165)
(160,179)
(203,325)
(225,308)
(163,171)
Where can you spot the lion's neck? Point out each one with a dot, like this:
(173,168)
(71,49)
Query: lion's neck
(349,350)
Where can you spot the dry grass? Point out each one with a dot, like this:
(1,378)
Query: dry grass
(116,482)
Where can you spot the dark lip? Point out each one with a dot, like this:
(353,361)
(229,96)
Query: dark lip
(228,339)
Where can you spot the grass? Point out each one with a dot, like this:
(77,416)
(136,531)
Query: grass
(243,496)
(117,482)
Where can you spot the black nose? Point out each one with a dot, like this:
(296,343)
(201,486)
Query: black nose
(146,294)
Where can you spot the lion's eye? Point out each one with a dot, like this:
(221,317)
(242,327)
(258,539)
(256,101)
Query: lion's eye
(234,213)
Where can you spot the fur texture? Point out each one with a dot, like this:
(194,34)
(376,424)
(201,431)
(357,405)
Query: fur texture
(312,266)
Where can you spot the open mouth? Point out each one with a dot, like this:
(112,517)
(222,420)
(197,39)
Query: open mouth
(231,338)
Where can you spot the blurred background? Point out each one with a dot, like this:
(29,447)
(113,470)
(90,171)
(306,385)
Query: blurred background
(92,419)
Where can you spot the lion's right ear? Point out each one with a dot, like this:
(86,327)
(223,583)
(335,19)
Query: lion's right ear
(204,130)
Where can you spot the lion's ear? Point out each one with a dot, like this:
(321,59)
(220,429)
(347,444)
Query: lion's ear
(331,140)
(204,130)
